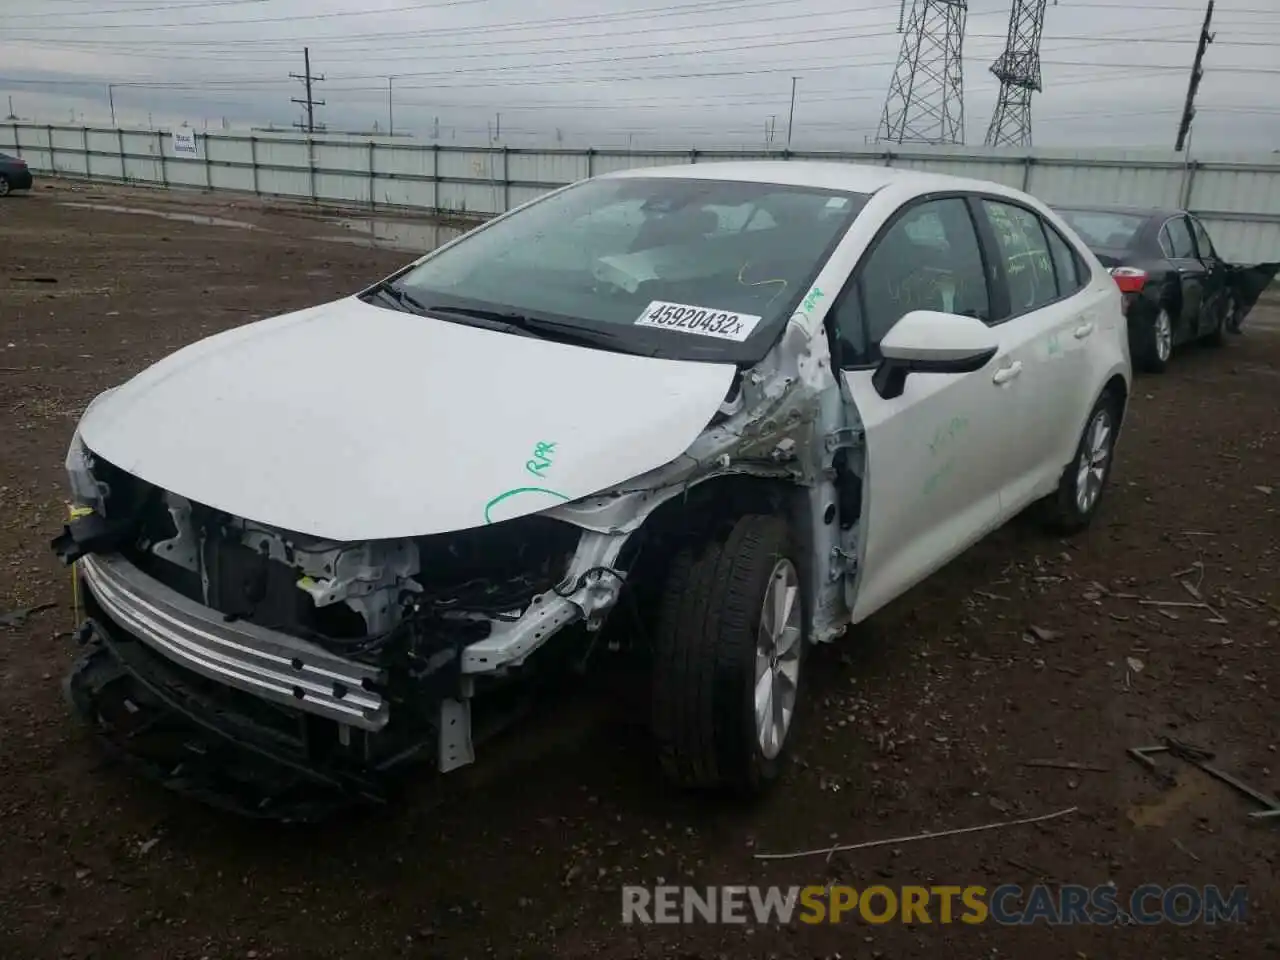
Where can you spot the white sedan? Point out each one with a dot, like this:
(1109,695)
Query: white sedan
(734,407)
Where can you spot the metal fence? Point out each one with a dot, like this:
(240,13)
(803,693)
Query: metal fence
(1238,196)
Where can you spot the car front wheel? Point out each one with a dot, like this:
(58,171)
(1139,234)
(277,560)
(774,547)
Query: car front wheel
(4,185)
(1083,482)
(728,657)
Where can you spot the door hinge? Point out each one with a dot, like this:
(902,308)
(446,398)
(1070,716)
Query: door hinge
(844,437)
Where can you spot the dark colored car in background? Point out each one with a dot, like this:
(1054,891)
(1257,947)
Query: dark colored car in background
(14,174)
(1176,286)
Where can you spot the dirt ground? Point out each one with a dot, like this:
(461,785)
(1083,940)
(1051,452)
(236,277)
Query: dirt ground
(926,718)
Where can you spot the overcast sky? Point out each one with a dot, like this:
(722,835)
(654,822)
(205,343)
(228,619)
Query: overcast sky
(650,72)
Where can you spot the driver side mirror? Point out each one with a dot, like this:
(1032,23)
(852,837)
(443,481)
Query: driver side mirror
(928,341)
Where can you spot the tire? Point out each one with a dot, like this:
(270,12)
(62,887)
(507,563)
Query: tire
(1155,342)
(707,665)
(4,185)
(1066,511)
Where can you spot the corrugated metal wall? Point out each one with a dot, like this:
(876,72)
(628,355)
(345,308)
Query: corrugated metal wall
(1237,196)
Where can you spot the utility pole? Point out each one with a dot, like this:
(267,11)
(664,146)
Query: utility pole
(310,102)
(1197,71)
(111,99)
(391,123)
(792,115)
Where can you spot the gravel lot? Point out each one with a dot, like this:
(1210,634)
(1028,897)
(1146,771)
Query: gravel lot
(925,720)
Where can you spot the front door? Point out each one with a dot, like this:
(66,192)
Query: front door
(1216,304)
(934,470)
(1180,248)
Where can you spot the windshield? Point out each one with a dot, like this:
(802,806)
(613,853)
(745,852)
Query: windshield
(678,268)
(1104,229)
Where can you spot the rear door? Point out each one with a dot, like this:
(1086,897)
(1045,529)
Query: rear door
(1180,248)
(1046,329)
(935,464)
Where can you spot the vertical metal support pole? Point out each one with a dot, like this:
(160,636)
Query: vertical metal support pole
(208,170)
(311,166)
(591,153)
(124,173)
(253,164)
(164,171)
(1026,173)
(53,167)
(506,180)
(435,177)
(84,138)
(1188,182)
(373,200)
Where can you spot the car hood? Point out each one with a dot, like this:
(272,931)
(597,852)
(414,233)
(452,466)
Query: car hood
(355,422)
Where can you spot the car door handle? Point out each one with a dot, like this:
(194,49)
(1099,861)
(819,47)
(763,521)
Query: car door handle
(1084,330)
(1005,374)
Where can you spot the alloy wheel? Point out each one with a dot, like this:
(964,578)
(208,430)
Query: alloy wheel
(778,658)
(1164,336)
(1091,471)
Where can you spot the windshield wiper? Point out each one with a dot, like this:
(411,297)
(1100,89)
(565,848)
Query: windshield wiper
(556,330)
(402,299)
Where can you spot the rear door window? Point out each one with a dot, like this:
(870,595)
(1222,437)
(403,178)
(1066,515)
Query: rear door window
(1024,249)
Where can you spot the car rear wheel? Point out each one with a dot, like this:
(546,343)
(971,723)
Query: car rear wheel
(4,185)
(1155,343)
(1083,482)
(729,653)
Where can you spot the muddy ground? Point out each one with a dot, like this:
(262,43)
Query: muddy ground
(926,718)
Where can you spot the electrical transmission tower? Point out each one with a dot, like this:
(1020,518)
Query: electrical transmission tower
(309,102)
(1018,70)
(926,95)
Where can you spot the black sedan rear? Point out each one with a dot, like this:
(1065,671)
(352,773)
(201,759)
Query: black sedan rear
(1177,288)
(14,174)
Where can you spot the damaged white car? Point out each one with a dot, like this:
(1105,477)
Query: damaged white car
(740,406)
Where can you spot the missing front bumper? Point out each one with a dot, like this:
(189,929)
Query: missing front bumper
(265,663)
(206,741)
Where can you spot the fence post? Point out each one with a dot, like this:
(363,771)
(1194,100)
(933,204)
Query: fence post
(253,163)
(53,166)
(435,177)
(1026,173)
(84,139)
(591,153)
(373,200)
(164,170)
(506,179)
(124,172)
(208,171)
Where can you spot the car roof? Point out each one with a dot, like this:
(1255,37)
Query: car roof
(1150,213)
(822,174)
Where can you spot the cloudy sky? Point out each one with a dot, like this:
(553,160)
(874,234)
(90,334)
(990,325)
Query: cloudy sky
(673,73)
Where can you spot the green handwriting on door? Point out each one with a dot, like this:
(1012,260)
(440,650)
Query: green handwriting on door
(540,462)
(946,432)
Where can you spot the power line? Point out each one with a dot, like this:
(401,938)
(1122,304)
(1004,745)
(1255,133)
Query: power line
(696,8)
(292,18)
